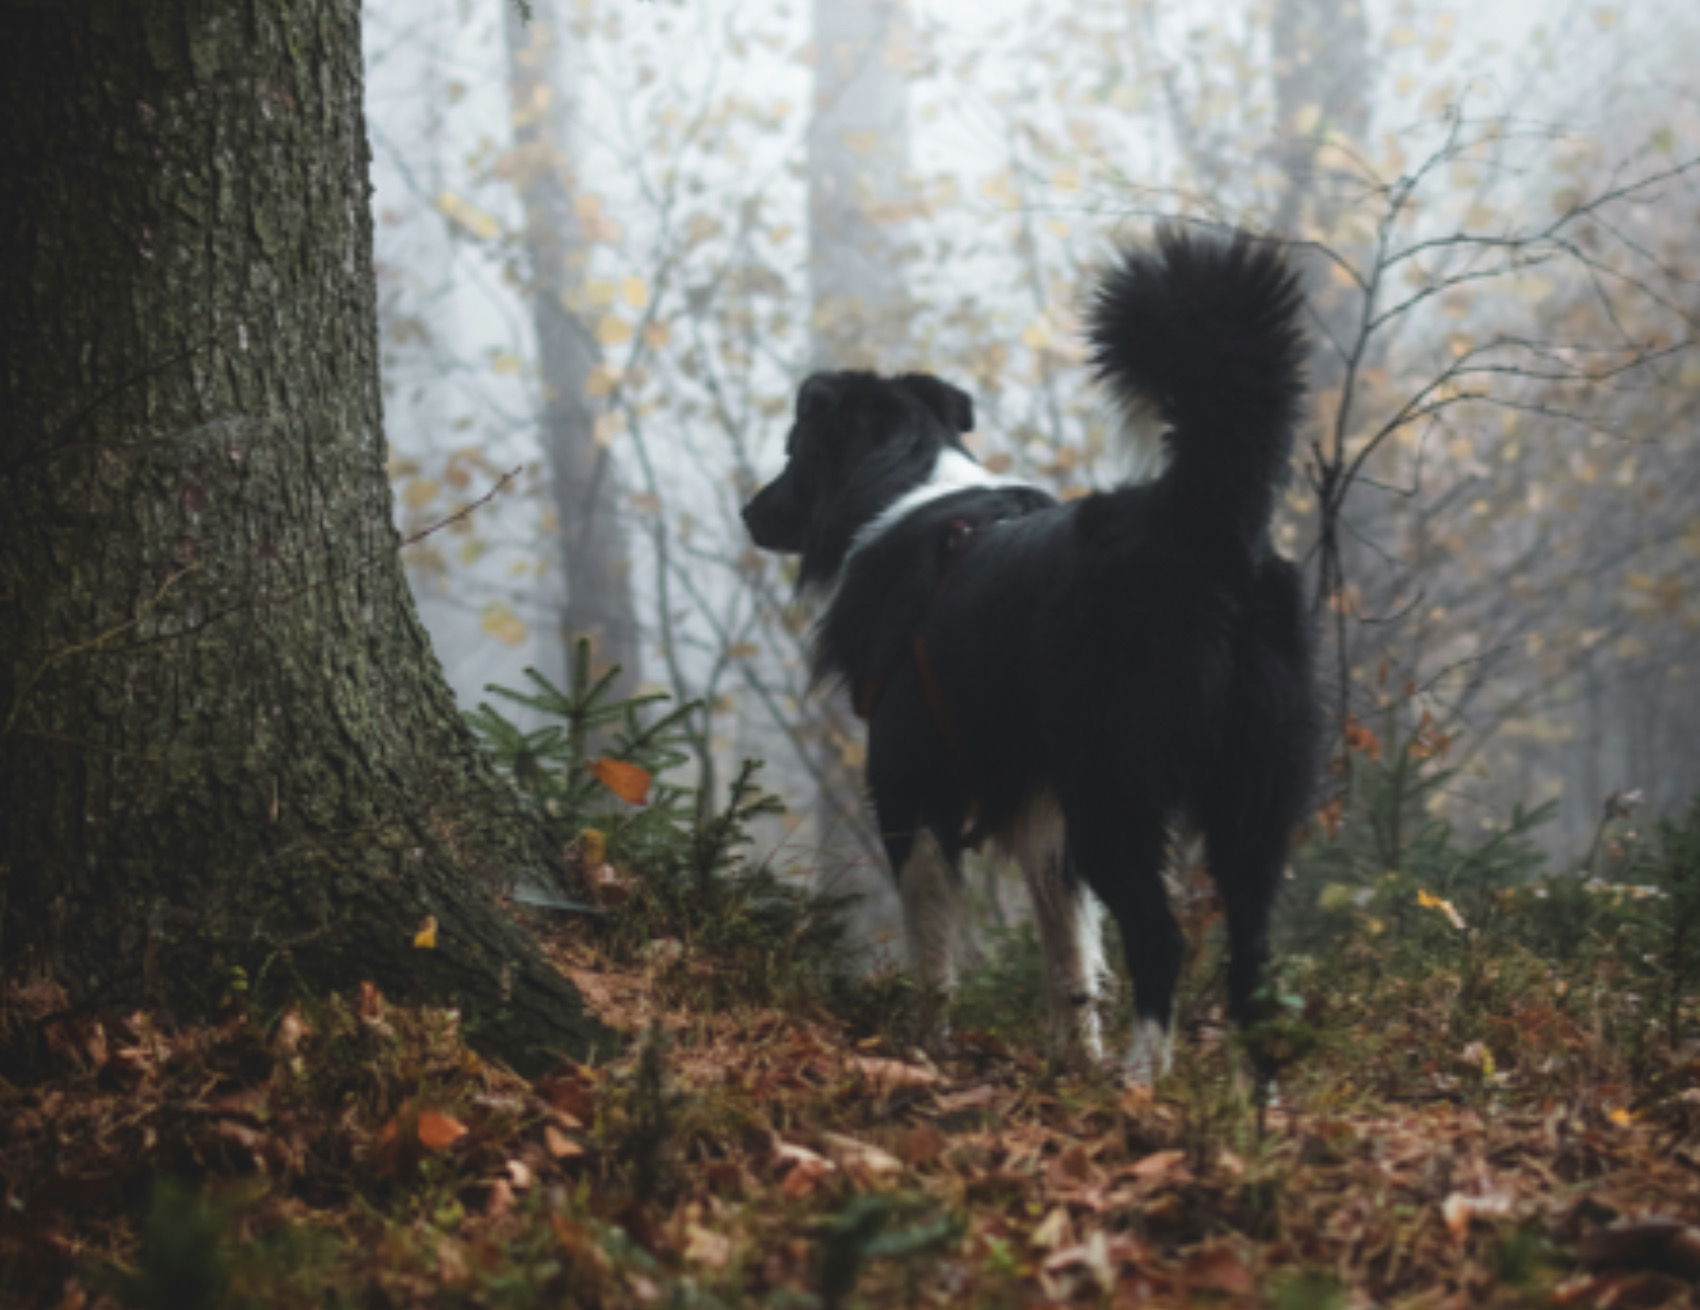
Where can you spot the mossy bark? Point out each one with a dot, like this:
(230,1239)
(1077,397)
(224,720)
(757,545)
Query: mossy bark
(224,740)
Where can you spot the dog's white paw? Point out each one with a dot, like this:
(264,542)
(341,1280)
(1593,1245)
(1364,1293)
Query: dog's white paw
(1152,1053)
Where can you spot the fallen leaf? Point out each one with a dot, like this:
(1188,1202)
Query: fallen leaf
(1157,1164)
(972,1099)
(1072,1167)
(889,1074)
(437,1131)
(860,1157)
(559,1144)
(1094,1254)
(1054,1231)
(1459,1209)
(1217,1269)
(703,1246)
(922,1144)
(807,1168)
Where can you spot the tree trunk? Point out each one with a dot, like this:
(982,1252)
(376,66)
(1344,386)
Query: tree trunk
(582,475)
(224,741)
(859,190)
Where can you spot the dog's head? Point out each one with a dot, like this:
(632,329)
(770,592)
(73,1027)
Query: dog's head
(858,443)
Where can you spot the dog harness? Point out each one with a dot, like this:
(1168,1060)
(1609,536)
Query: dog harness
(867,694)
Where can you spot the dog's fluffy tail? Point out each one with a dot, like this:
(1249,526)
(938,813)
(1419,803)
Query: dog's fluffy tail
(1205,329)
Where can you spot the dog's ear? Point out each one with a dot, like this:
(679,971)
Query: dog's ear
(818,390)
(952,406)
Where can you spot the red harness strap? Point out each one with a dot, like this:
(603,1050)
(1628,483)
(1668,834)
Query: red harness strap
(867,694)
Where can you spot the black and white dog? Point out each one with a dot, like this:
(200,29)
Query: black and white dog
(1075,681)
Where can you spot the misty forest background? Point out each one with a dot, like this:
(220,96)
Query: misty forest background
(612,238)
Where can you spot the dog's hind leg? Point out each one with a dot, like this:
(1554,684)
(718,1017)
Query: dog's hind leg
(1070,932)
(930,888)
(1120,856)
(929,884)
(1246,860)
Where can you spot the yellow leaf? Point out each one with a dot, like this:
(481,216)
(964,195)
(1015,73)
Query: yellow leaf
(1444,906)
(1402,36)
(426,938)
(505,362)
(627,781)
(601,380)
(471,551)
(468,217)
(420,493)
(635,291)
(607,427)
(1622,1117)
(1395,153)
(592,847)
(656,335)
(861,144)
(612,331)
(503,624)
(1605,19)
(587,205)
(1001,189)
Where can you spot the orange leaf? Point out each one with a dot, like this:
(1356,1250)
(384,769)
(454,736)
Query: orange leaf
(626,781)
(437,1131)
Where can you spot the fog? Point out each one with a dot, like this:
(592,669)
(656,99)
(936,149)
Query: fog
(1497,207)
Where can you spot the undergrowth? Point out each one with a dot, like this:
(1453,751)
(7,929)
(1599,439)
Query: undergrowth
(1488,1070)
(664,869)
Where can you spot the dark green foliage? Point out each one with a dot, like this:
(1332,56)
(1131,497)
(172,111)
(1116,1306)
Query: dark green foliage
(1664,909)
(650,1131)
(860,1232)
(552,764)
(1004,994)
(186,1258)
(754,936)
(1390,848)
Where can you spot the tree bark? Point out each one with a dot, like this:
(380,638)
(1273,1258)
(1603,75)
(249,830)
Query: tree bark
(859,190)
(583,479)
(224,741)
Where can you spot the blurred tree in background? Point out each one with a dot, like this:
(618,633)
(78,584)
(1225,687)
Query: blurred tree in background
(1495,501)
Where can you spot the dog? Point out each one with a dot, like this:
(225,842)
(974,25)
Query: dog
(1080,681)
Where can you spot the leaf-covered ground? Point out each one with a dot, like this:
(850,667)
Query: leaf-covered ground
(353,1152)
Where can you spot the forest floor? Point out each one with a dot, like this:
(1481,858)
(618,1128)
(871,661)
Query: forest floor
(352,1152)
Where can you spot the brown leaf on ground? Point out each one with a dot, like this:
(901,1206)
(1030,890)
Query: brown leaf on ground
(438,1131)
